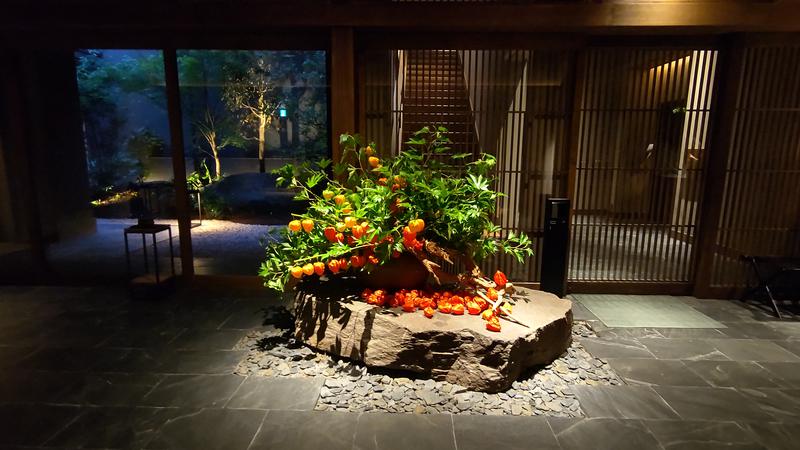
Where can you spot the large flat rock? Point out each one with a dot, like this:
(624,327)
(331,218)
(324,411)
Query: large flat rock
(457,349)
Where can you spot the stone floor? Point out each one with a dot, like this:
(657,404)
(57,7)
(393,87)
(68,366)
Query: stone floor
(87,368)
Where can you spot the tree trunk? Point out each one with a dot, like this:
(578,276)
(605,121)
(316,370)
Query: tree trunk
(217,162)
(262,132)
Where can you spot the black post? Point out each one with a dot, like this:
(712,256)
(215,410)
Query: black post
(555,246)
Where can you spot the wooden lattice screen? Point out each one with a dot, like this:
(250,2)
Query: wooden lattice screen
(644,121)
(760,211)
(513,104)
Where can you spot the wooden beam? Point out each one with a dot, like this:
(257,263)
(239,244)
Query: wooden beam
(217,16)
(182,204)
(729,80)
(341,74)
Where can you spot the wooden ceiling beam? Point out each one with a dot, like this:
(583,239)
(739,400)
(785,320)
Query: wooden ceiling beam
(258,16)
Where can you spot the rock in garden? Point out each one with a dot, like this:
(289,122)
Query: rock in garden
(457,349)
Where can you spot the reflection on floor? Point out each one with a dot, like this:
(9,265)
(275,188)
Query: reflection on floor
(604,250)
(220,247)
(88,368)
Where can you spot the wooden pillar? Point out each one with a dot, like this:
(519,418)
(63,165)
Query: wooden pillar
(16,126)
(729,79)
(574,125)
(342,86)
(182,204)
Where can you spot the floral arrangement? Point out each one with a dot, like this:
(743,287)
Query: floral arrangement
(364,210)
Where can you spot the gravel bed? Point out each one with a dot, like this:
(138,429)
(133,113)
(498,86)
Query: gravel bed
(351,386)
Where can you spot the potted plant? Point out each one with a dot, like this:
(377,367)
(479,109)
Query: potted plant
(410,215)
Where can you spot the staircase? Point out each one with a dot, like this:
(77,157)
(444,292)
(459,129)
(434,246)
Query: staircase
(435,94)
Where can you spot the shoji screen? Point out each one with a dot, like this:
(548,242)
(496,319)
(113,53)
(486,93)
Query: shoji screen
(644,120)
(514,104)
(760,213)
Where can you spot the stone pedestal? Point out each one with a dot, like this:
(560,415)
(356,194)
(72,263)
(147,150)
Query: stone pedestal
(457,349)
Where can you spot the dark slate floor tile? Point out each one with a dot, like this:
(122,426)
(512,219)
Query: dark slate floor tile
(753,350)
(787,328)
(787,373)
(688,349)
(655,372)
(627,402)
(301,430)
(404,431)
(110,389)
(277,393)
(76,336)
(17,386)
(751,330)
(72,359)
(732,311)
(142,337)
(774,436)
(125,428)
(506,432)
(689,333)
(208,340)
(733,373)
(245,317)
(793,346)
(33,424)
(701,435)
(141,360)
(193,391)
(209,429)
(723,404)
(200,362)
(782,404)
(616,348)
(627,333)
(606,434)
(11,356)
(377,431)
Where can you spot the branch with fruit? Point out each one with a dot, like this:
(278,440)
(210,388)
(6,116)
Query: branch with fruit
(365,210)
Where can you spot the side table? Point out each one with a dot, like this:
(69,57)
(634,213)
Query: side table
(152,230)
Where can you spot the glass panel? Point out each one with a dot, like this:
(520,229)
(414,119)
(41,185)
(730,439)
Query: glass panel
(126,167)
(246,113)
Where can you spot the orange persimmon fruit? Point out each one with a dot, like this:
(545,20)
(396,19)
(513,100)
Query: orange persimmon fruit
(330,234)
(296,271)
(417,225)
(500,279)
(493,325)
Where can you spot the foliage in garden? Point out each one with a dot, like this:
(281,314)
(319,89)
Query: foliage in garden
(363,210)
